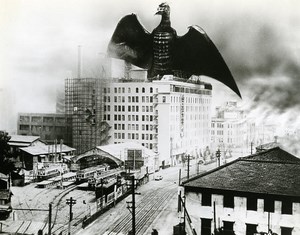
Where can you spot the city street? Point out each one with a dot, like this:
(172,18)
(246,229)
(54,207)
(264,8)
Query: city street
(156,207)
(164,218)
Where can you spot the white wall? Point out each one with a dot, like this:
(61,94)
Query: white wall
(240,215)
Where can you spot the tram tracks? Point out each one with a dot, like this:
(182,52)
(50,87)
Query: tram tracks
(146,212)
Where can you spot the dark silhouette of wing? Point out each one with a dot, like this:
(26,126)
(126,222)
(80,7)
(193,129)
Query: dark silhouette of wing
(131,42)
(194,53)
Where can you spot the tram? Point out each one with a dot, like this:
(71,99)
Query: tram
(91,172)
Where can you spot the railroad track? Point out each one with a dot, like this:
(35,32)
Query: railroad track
(146,212)
(57,199)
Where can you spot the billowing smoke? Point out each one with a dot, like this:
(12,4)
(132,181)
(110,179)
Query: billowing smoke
(259,41)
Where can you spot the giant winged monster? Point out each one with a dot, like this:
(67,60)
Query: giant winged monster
(163,52)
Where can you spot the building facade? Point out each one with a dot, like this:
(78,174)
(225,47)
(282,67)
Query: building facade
(250,195)
(168,116)
(231,130)
(49,126)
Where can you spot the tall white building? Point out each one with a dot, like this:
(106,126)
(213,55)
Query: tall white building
(169,116)
(230,129)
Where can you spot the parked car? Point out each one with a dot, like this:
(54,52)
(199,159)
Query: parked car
(158,177)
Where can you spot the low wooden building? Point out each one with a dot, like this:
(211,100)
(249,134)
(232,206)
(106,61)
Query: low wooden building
(257,193)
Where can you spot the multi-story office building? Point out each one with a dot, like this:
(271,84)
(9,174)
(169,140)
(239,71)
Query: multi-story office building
(230,129)
(168,116)
(49,126)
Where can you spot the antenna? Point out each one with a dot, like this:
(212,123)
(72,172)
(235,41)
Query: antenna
(79,62)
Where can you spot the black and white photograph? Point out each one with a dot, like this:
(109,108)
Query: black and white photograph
(130,117)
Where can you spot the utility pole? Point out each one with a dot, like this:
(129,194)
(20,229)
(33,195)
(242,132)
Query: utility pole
(183,205)
(70,202)
(132,207)
(218,155)
(251,144)
(188,166)
(50,215)
(215,222)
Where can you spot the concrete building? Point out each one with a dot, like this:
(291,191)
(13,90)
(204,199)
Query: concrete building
(249,195)
(231,130)
(169,116)
(49,126)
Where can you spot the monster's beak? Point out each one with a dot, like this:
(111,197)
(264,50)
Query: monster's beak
(160,11)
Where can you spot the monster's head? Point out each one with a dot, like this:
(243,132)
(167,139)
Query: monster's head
(163,9)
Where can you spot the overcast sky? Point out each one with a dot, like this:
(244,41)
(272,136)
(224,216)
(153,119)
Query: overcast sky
(259,41)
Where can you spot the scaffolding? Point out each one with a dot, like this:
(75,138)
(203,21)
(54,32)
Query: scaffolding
(84,103)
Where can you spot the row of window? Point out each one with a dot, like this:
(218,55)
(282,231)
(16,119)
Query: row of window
(121,108)
(219,125)
(191,100)
(40,119)
(134,127)
(133,136)
(228,201)
(206,225)
(144,118)
(130,99)
(217,132)
(122,90)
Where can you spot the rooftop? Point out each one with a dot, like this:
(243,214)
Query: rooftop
(116,149)
(47,149)
(268,146)
(273,171)
(23,139)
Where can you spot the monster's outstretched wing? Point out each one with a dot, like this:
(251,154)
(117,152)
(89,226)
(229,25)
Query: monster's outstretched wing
(131,42)
(194,53)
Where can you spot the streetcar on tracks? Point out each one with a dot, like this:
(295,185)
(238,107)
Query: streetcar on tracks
(91,172)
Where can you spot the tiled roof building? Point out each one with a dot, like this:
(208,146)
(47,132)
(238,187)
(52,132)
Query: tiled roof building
(251,194)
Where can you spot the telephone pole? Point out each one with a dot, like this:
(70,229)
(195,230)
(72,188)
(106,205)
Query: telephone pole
(188,166)
(132,207)
(70,202)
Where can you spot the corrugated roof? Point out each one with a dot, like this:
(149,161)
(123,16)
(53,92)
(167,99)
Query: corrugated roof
(273,171)
(44,149)
(23,138)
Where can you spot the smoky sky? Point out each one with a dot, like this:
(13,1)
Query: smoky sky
(259,41)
